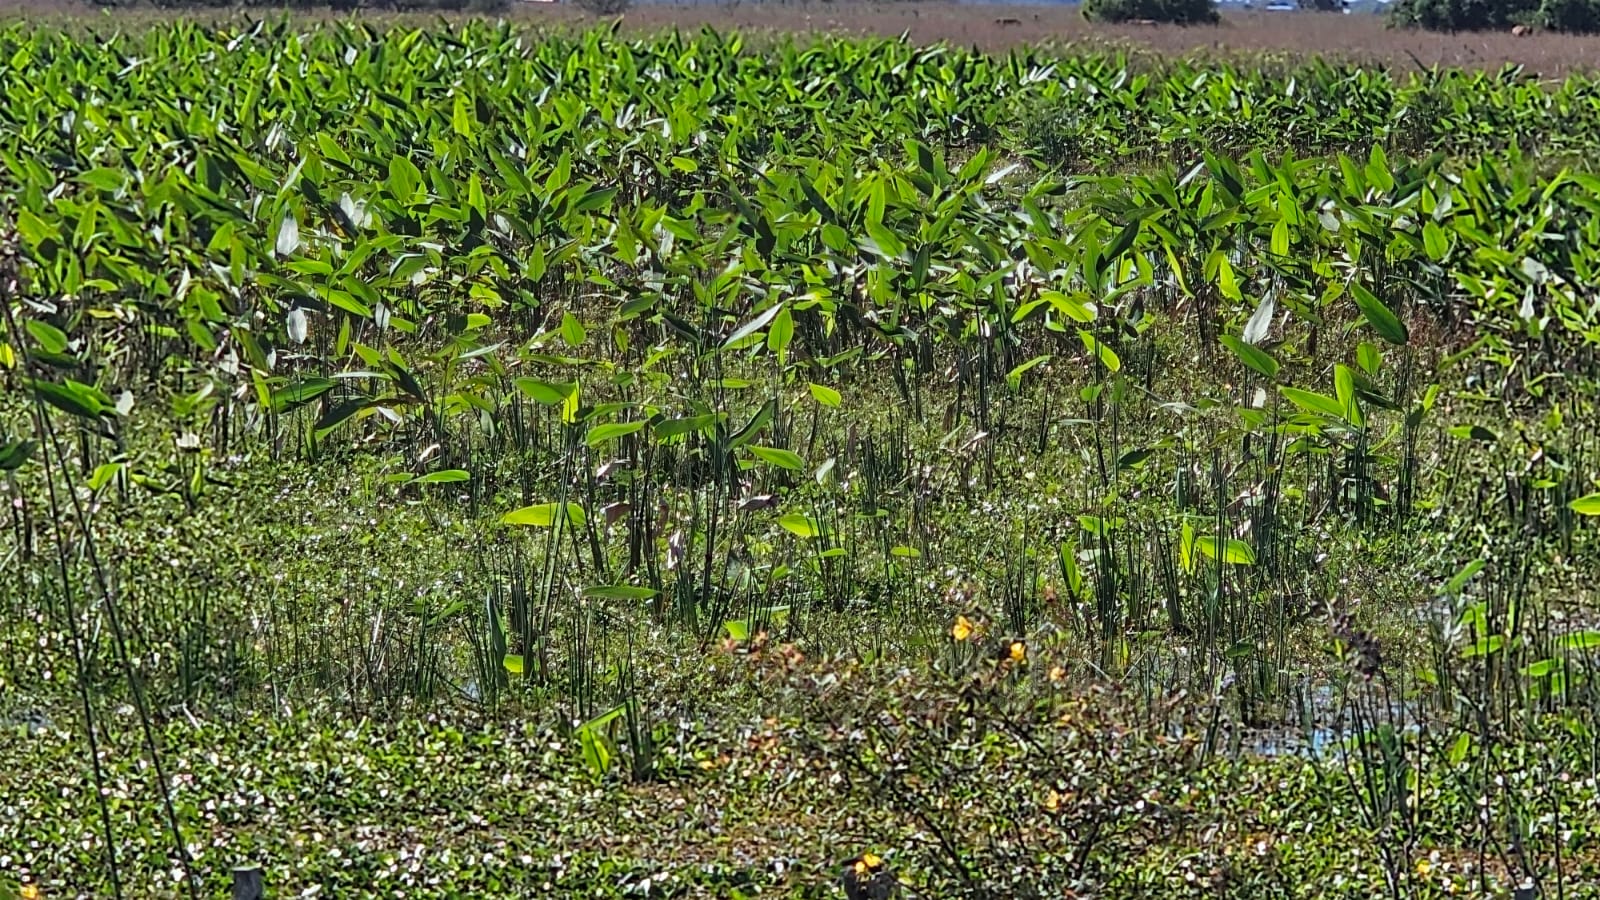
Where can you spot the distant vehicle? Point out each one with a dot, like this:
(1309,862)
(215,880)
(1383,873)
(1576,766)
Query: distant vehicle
(1281,7)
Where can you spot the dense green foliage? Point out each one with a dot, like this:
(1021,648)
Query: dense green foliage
(895,421)
(1573,16)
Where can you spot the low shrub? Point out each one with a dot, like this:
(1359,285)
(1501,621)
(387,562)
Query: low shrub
(1166,12)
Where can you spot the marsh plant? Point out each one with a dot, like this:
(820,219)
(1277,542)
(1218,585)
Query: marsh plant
(344,383)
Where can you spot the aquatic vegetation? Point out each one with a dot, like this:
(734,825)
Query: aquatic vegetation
(901,431)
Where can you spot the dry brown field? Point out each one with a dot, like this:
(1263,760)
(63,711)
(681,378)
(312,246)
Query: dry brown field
(1359,38)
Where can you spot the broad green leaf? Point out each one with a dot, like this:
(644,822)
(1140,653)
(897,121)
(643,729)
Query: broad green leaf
(572,331)
(1072,307)
(1586,506)
(799,525)
(619,592)
(1312,402)
(1379,316)
(671,428)
(443,476)
(1233,551)
(754,325)
(15,453)
(602,433)
(1254,357)
(1105,354)
(783,459)
(827,396)
(75,398)
(1014,377)
(780,334)
(299,393)
(544,515)
(1588,639)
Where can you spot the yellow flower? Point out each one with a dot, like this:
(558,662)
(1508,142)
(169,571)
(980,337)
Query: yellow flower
(962,629)
(1052,802)
(1057,673)
(1424,867)
(1019,652)
(867,863)
(30,892)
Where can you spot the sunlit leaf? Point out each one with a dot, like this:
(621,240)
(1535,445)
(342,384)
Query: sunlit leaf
(545,515)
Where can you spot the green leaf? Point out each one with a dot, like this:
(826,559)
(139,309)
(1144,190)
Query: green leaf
(1073,308)
(35,231)
(74,398)
(1014,377)
(1254,357)
(14,454)
(512,663)
(1587,639)
(781,333)
(1586,506)
(1379,316)
(1314,403)
(800,526)
(50,338)
(404,179)
(783,459)
(1106,355)
(572,330)
(754,325)
(299,394)
(1460,579)
(827,396)
(753,427)
(1233,551)
(546,392)
(602,433)
(671,428)
(544,515)
(619,592)
(443,476)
